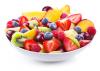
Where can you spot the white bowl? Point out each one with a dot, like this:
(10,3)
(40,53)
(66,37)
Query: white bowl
(50,57)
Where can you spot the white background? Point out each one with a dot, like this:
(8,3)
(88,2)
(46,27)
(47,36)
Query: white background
(13,60)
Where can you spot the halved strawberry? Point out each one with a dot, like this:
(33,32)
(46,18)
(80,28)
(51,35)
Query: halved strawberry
(84,42)
(31,45)
(75,18)
(69,45)
(51,45)
(64,24)
(22,19)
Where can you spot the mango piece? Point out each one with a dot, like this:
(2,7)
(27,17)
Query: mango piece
(84,24)
(53,15)
(65,9)
(38,14)
(31,34)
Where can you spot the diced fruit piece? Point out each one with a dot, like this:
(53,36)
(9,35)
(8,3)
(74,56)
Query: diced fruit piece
(72,34)
(72,26)
(47,8)
(69,45)
(79,37)
(75,18)
(63,15)
(17,29)
(15,24)
(31,45)
(48,35)
(38,14)
(9,24)
(64,24)
(44,29)
(84,42)
(15,37)
(33,23)
(23,30)
(31,34)
(77,29)
(9,34)
(22,20)
(91,31)
(40,37)
(26,24)
(55,33)
(53,26)
(84,24)
(65,9)
(87,36)
(61,36)
(44,21)
(53,15)
(51,45)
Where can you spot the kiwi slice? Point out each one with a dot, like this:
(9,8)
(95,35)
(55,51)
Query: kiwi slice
(15,37)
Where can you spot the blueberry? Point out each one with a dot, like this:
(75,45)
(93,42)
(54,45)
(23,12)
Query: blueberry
(47,8)
(23,30)
(48,35)
(53,26)
(79,37)
(15,24)
(44,21)
(78,30)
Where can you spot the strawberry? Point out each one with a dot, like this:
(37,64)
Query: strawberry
(84,42)
(51,45)
(75,18)
(22,20)
(9,24)
(31,45)
(64,24)
(69,45)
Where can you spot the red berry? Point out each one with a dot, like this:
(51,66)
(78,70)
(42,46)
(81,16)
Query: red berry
(9,24)
(84,42)
(61,36)
(91,31)
(55,33)
(63,15)
(31,45)
(87,36)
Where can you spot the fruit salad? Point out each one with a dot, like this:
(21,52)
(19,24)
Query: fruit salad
(51,30)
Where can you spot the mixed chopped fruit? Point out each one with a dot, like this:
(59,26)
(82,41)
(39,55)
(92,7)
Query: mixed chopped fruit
(50,30)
